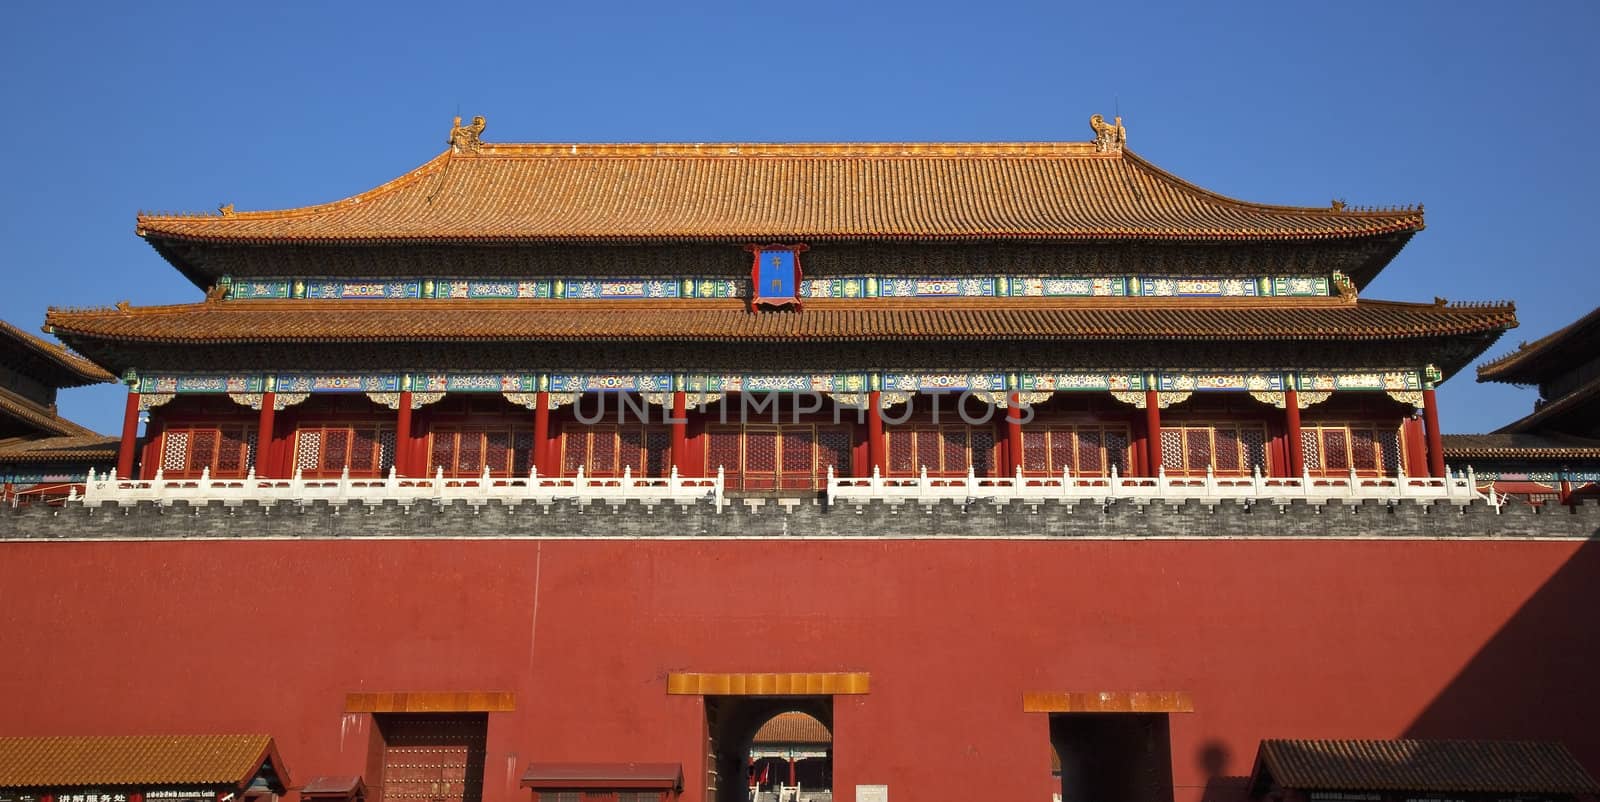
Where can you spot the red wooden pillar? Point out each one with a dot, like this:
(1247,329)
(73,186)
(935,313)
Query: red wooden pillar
(1152,432)
(402,435)
(1013,433)
(1291,416)
(791,771)
(541,433)
(130,435)
(875,449)
(264,426)
(680,430)
(1430,422)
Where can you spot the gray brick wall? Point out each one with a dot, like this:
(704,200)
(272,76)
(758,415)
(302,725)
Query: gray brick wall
(804,518)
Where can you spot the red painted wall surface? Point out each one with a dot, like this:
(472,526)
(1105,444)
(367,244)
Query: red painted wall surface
(1272,638)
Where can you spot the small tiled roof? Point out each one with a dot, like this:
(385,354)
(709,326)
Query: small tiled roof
(1511,767)
(793,728)
(718,321)
(757,192)
(46,361)
(68,448)
(135,760)
(1562,349)
(1528,446)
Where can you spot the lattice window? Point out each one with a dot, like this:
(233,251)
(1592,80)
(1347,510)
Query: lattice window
(574,452)
(1311,449)
(982,451)
(760,452)
(497,451)
(308,450)
(723,451)
(902,451)
(1116,444)
(335,450)
(224,451)
(603,452)
(930,454)
(658,452)
(1253,442)
(955,441)
(1087,449)
(833,450)
(1337,448)
(522,454)
(1225,448)
(175,451)
(1389,450)
(1172,449)
(630,451)
(1035,451)
(799,450)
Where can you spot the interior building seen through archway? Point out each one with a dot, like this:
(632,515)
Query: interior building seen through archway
(767,748)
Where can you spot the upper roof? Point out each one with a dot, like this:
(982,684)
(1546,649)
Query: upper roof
(1518,767)
(137,760)
(1552,354)
(741,192)
(1577,407)
(50,363)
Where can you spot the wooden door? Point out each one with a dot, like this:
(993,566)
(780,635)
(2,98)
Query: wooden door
(433,759)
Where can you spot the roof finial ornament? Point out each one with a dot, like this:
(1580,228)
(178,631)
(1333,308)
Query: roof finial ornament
(464,138)
(1338,204)
(226,209)
(1345,287)
(1108,137)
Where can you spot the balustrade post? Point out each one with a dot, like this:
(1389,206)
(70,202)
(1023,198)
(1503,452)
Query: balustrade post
(1115,485)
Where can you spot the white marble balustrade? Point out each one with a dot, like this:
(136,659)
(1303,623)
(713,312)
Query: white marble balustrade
(107,488)
(1460,488)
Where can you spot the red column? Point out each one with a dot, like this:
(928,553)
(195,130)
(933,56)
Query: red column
(1430,422)
(264,426)
(130,435)
(1013,433)
(680,430)
(875,432)
(791,771)
(402,436)
(541,433)
(1291,416)
(1152,431)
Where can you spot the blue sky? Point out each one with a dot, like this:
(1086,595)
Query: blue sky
(1485,112)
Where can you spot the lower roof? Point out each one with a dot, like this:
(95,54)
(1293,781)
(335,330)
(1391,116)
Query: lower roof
(730,321)
(1511,767)
(137,760)
(82,448)
(1521,446)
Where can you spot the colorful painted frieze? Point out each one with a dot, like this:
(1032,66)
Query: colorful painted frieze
(338,383)
(355,290)
(158,384)
(1360,380)
(1210,382)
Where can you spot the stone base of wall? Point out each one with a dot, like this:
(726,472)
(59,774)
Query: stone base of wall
(778,518)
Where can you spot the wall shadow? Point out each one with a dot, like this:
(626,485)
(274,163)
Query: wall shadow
(1534,679)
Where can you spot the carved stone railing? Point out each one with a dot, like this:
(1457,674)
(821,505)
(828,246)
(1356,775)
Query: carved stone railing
(107,488)
(1255,487)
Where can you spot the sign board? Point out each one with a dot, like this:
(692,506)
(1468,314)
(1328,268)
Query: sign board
(872,793)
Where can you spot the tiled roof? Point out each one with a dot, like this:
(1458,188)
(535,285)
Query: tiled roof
(759,192)
(1515,767)
(133,760)
(74,448)
(1520,446)
(15,405)
(605,776)
(793,728)
(1585,399)
(591,321)
(1532,362)
(58,366)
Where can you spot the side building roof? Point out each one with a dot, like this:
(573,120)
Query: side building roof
(1554,353)
(139,760)
(50,363)
(1405,765)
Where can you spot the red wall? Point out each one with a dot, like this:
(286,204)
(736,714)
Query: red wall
(1272,638)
